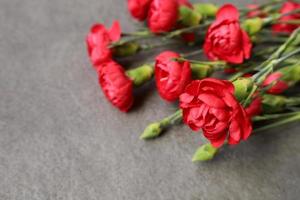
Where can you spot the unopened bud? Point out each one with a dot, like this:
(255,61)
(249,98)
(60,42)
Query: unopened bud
(273,103)
(206,9)
(252,25)
(140,75)
(204,153)
(127,49)
(153,130)
(188,17)
(201,71)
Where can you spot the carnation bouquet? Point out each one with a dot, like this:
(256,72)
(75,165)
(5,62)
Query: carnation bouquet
(232,80)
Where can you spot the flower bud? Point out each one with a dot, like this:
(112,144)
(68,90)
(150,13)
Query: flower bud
(273,103)
(189,17)
(206,9)
(291,74)
(151,131)
(140,75)
(243,87)
(253,25)
(127,49)
(204,153)
(200,71)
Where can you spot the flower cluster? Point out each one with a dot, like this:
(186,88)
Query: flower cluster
(255,47)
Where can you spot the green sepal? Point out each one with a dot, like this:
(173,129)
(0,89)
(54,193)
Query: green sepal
(206,9)
(127,49)
(252,25)
(242,88)
(201,71)
(291,74)
(273,103)
(140,75)
(204,153)
(188,17)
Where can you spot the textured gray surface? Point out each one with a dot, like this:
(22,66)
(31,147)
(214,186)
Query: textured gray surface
(60,139)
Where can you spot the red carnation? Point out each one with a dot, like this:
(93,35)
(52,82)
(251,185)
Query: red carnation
(139,8)
(225,40)
(287,28)
(171,76)
(255,11)
(255,108)
(98,40)
(210,105)
(116,86)
(279,85)
(162,15)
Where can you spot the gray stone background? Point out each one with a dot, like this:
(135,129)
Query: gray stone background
(61,140)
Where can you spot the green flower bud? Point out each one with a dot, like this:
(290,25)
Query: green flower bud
(152,131)
(206,9)
(127,49)
(189,17)
(204,153)
(140,75)
(291,74)
(201,71)
(252,25)
(243,87)
(273,103)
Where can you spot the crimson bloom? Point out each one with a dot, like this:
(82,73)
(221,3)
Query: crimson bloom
(98,41)
(209,104)
(279,85)
(225,40)
(139,8)
(163,15)
(287,28)
(171,76)
(116,86)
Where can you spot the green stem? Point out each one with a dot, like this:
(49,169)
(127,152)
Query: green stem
(273,116)
(185,30)
(260,7)
(150,46)
(210,63)
(172,119)
(293,118)
(193,53)
(288,55)
(293,101)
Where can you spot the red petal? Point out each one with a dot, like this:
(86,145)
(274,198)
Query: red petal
(228,12)
(115,31)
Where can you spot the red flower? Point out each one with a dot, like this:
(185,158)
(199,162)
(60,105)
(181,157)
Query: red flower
(225,40)
(171,76)
(139,8)
(287,28)
(116,86)
(255,108)
(210,104)
(279,85)
(98,40)
(162,15)
(255,12)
